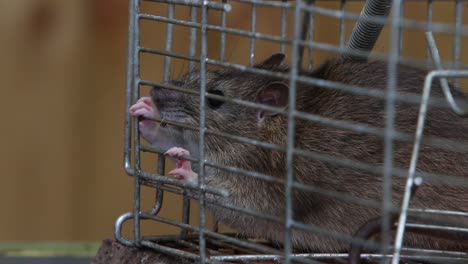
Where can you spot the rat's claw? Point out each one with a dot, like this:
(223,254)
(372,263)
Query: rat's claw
(147,100)
(177,152)
(141,108)
(184,174)
(142,112)
(183,170)
(144,107)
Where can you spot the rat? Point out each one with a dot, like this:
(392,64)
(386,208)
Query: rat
(332,215)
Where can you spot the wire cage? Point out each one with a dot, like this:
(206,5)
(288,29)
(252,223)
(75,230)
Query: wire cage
(295,36)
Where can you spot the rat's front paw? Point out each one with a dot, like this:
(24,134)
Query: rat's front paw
(144,107)
(183,169)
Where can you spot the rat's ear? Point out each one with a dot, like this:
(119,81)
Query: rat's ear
(274,60)
(274,94)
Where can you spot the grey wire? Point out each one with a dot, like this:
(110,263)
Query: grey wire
(443,81)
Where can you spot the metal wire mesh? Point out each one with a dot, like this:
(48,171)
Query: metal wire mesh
(206,245)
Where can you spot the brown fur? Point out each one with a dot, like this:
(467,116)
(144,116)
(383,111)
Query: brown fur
(329,214)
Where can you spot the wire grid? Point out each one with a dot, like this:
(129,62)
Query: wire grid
(199,243)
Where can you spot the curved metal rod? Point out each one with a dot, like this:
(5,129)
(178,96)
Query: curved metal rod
(369,229)
(159,193)
(437,229)
(443,81)
(373,227)
(118,229)
(365,32)
(415,154)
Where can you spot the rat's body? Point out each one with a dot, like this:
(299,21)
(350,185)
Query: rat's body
(268,198)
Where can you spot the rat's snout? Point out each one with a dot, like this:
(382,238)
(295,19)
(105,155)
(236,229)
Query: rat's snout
(163,95)
(169,103)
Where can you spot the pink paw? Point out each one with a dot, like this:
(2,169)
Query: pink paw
(144,107)
(183,169)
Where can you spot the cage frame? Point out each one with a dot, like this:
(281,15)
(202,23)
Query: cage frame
(352,50)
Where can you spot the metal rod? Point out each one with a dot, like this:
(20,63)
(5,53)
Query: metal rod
(181,183)
(457,37)
(295,68)
(234,31)
(414,158)
(136,133)
(346,238)
(235,241)
(332,194)
(222,49)
(172,251)
(365,33)
(159,194)
(306,23)
(192,52)
(201,141)
(284,14)
(196,3)
(168,48)
(393,56)
(185,211)
(434,141)
(192,37)
(313,44)
(253,25)
(327,256)
(406,23)
(382,20)
(443,81)
(352,89)
(130,80)
(400,29)
(342,23)
(118,229)
(427,254)
(310,62)
(374,169)
(429,25)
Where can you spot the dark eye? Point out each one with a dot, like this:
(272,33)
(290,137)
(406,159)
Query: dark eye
(214,103)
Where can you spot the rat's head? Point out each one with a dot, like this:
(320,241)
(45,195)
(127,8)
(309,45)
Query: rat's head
(224,116)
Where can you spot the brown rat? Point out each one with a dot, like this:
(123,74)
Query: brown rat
(333,215)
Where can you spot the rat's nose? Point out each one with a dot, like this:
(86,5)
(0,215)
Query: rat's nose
(162,95)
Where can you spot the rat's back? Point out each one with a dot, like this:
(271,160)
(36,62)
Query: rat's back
(445,165)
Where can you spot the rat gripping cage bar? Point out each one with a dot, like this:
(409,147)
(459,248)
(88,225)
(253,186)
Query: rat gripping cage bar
(201,23)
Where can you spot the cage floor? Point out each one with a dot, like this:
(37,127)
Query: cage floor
(180,248)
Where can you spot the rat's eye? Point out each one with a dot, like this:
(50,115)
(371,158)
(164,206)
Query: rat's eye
(214,103)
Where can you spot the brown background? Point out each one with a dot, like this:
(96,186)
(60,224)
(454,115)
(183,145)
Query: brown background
(62,72)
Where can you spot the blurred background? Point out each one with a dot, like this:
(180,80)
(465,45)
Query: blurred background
(62,68)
